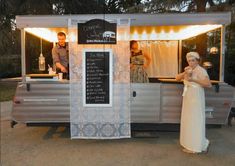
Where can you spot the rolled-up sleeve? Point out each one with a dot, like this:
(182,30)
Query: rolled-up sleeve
(55,55)
(202,74)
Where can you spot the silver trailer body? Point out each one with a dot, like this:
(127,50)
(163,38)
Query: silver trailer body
(48,102)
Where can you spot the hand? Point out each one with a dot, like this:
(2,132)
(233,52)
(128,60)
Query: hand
(190,79)
(63,69)
(188,73)
(145,66)
(188,70)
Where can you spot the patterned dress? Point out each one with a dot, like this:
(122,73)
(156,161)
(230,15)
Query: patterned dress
(192,128)
(138,74)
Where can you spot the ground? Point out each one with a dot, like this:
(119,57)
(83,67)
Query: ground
(37,146)
(7,90)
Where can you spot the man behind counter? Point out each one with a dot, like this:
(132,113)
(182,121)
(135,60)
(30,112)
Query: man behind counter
(60,55)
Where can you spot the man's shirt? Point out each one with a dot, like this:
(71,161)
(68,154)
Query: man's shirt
(60,54)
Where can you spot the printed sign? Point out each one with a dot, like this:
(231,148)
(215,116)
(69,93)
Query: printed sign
(97,31)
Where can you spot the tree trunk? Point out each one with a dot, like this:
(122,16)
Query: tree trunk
(201,5)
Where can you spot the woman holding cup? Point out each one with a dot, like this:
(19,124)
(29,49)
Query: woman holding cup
(192,128)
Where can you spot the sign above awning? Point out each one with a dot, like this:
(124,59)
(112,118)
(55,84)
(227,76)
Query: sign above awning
(97,31)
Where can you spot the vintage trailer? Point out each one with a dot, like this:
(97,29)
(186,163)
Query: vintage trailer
(46,100)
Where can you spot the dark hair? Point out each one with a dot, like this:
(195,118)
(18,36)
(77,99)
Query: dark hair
(132,42)
(61,34)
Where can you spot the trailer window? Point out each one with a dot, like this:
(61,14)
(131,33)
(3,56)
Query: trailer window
(164,58)
(208,46)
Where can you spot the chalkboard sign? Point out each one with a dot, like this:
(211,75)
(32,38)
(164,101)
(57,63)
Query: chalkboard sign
(97,31)
(97,77)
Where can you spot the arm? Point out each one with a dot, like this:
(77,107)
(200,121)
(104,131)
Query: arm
(204,82)
(56,61)
(180,76)
(147,57)
(61,67)
(132,66)
(184,74)
(202,79)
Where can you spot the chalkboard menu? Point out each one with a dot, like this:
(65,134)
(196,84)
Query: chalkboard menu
(97,31)
(97,78)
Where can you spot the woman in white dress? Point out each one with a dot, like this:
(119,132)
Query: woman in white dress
(192,128)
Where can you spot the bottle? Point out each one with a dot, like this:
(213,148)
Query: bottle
(41,63)
(50,71)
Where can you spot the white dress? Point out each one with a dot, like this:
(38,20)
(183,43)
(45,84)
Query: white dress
(192,128)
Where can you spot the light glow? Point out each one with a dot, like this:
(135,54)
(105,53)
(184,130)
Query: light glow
(144,36)
(214,50)
(176,33)
(135,36)
(136,33)
(153,35)
(45,33)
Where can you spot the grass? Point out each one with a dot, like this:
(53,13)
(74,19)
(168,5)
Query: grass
(7,90)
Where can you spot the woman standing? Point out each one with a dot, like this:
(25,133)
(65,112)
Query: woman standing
(138,64)
(192,128)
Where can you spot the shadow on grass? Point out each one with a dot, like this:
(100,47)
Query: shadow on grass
(7,90)
(63,132)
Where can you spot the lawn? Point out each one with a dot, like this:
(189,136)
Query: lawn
(7,90)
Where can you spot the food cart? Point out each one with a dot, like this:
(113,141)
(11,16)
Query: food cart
(47,100)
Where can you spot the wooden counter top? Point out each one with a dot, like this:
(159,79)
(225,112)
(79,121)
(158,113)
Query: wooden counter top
(41,75)
(174,80)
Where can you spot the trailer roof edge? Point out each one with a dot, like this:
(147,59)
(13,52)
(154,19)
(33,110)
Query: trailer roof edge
(143,19)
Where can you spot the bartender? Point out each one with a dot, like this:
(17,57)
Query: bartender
(60,55)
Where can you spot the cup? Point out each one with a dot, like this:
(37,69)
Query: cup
(190,72)
(60,76)
(50,71)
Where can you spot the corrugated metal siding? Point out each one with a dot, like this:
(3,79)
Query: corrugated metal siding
(145,107)
(221,102)
(154,103)
(171,95)
(172,101)
(45,102)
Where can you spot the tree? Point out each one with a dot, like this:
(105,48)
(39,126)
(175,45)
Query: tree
(6,22)
(10,36)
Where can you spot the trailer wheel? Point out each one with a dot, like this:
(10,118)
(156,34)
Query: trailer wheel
(13,123)
(231,116)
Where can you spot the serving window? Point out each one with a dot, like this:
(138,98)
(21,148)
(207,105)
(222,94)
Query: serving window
(164,58)
(167,47)
(208,45)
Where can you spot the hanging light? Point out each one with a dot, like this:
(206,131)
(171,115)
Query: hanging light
(41,59)
(207,65)
(214,50)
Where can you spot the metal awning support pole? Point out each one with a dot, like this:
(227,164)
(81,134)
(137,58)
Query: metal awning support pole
(222,53)
(180,57)
(23,65)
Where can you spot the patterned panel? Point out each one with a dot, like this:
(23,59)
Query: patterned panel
(100,122)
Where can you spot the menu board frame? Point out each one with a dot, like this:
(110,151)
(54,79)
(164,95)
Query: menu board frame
(84,83)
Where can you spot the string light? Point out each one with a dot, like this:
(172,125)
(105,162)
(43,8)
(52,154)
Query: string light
(184,32)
